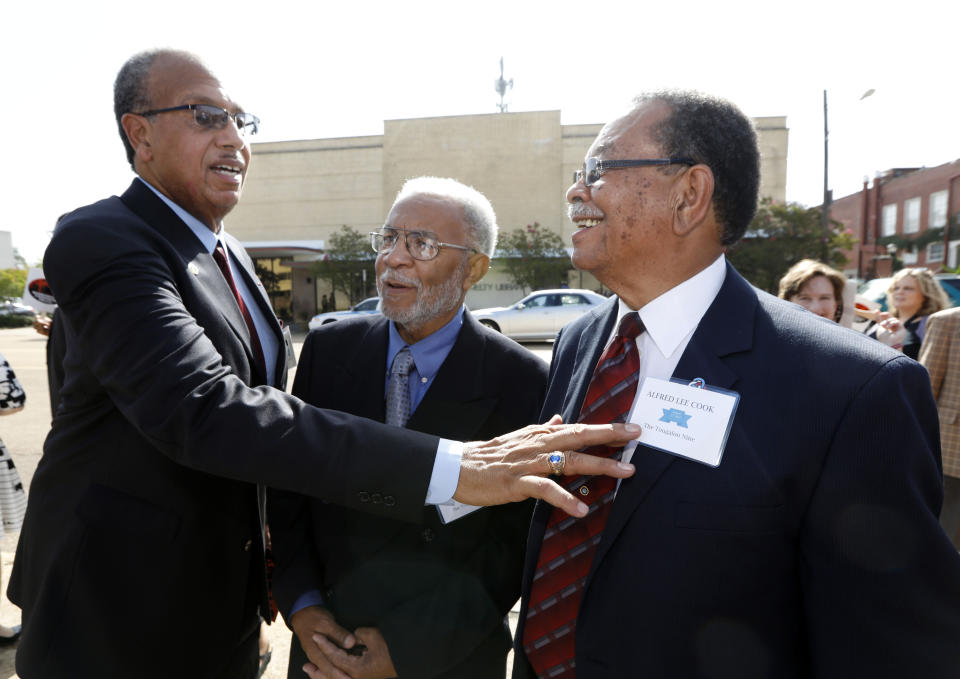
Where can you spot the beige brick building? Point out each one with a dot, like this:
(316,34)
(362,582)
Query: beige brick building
(300,192)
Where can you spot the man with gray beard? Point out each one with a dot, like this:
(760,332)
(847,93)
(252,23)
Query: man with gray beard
(425,600)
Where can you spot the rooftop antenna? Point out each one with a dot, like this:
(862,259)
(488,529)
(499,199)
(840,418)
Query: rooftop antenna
(501,86)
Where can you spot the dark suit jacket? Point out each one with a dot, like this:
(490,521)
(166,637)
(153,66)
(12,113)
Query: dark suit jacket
(813,550)
(438,593)
(143,518)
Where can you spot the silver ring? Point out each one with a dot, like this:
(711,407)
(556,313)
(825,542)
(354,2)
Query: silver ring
(557,462)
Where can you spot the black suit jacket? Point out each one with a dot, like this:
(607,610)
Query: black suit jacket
(438,593)
(143,517)
(813,550)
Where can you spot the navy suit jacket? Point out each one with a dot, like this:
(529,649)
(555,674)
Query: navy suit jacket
(813,550)
(438,592)
(145,515)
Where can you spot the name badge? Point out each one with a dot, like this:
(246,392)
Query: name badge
(453,510)
(288,348)
(685,418)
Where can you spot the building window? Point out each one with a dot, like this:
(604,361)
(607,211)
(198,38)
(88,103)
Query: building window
(938,209)
(911,215)
(935,252)
(910,257)
(888,223)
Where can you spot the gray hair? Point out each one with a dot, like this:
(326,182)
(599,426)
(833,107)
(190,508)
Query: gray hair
(477,211)
(131,92)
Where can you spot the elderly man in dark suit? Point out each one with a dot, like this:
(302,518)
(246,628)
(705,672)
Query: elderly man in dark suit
(146,509)
(811,547)
(427,600)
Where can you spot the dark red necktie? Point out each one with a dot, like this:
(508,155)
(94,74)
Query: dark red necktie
(220,255)
(569,544)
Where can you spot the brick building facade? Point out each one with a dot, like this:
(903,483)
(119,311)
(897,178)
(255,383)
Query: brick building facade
(902,215)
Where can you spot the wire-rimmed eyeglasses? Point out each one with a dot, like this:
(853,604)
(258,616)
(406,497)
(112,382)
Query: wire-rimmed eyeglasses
(593,168)
(420,244)
(211,117)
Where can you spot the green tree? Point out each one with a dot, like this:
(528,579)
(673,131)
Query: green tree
(348,265)
(12,282)
(534,257)
(780,235)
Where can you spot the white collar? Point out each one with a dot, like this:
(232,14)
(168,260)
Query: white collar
(671,318)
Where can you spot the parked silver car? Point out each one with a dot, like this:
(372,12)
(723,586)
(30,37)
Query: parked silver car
(539,315)
(371,305)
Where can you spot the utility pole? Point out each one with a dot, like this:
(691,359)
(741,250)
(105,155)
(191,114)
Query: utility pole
(501,86)
(827,195)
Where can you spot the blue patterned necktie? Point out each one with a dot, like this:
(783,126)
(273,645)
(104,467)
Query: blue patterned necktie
(398,390)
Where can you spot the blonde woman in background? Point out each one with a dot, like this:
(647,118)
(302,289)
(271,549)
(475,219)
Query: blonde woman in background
(913,295)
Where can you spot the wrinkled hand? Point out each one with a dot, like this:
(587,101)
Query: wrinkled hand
(374,663)
(317,622)
(514,467)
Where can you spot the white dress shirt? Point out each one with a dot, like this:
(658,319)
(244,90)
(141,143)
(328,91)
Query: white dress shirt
(670,321)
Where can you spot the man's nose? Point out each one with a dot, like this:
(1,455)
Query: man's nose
(229,136)
(578,192)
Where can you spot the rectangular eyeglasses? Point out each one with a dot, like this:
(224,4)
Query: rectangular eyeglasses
(420,245)
(594,168)
(211,117)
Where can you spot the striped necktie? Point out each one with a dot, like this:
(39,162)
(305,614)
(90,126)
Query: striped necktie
(569,544)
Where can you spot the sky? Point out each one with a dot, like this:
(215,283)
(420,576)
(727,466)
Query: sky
(321,69)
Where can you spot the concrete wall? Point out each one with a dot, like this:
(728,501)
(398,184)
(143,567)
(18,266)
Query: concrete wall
(523,162)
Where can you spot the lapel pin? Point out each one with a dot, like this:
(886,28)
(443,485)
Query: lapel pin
(193,268)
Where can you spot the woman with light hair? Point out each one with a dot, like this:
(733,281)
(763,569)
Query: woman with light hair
(816,287)
(913,295)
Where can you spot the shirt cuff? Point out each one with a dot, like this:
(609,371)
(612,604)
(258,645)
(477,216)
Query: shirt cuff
(311,598)
(446,472)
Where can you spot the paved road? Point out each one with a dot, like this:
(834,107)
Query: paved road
(23,434)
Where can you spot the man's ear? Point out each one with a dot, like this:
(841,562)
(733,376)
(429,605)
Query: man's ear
(693,200)
(479,264)
(137,129)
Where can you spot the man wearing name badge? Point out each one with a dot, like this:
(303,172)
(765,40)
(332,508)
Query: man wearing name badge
(146,512)
(810,547)
(427,600)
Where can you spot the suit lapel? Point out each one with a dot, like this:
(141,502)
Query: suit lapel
(363,384)
(455,406)
(589,347)
(200,263)
(726,329)
(255,287)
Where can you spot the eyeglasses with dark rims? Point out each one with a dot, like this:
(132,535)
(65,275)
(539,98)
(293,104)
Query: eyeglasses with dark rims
(211,117)
(420,244)
(594,168)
